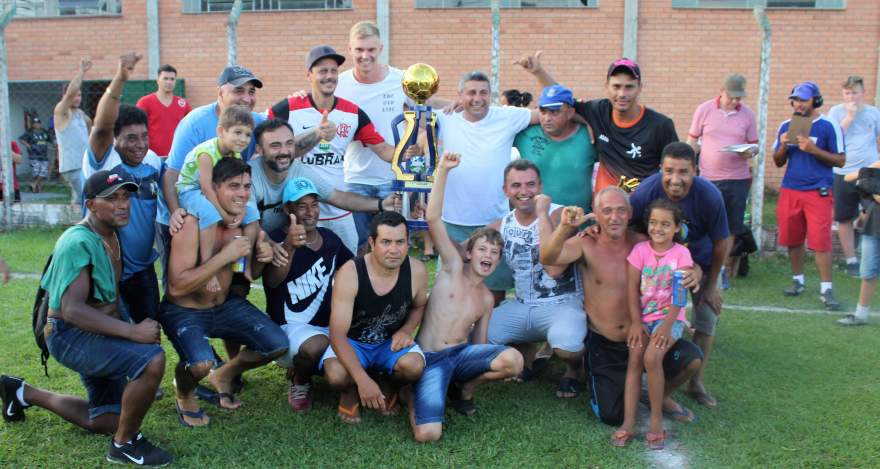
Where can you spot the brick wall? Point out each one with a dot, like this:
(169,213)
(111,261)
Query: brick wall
(684,53)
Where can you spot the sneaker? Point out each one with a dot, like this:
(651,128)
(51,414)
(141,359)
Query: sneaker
(853,270)
(852,320)
(795,289)
(725,279)
(139,452)
(299,397)
(13,410)
(830,302)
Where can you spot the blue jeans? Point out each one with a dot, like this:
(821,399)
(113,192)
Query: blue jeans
(188,329)
(461,363)
(362,219)
(870,265)
(105,364)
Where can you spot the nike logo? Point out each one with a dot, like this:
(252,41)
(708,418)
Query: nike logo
(9,411)
(307,127)
(139,461)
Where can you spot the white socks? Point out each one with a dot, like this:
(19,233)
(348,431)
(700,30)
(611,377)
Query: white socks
(862,311)
(824,286)
(800,278)
(852,260)
(19,394)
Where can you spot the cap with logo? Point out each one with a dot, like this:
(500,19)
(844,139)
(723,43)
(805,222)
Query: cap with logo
(735,85)
(322,52)
(105,183)
(297,188)
(554,96)
(236,75)
(805,91)
(625,65)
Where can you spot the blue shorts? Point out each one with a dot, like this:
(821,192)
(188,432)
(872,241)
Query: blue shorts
(870,265)
(461,363)
(236,319)
(105,364)
(375,356)
(197,205)
(677,328)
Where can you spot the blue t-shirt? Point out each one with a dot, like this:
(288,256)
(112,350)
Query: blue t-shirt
(705,219)
(198,126)
(137,236)
(805,171)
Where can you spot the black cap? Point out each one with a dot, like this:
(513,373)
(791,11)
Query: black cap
(105,183)
(237,75)
(322,52)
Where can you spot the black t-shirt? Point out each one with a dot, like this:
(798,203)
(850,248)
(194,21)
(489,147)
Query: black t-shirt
(304,296)
(633,151)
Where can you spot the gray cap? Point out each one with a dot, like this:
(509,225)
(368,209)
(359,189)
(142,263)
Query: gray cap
(236,75)
(322,52)
(735,85)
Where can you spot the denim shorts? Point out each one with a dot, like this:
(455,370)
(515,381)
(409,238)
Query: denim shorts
(236,319)
(197,205)
(375,356)
(677,328)
(105,364)
(870,265)
(461,363)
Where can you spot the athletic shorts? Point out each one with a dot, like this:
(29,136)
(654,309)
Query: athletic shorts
(375,356)
(562,324)
(846,199)
(197,205)
(345,228)
(804,215)
(297,334)
(735,193)
(606,363)
(40,168)
(461,363)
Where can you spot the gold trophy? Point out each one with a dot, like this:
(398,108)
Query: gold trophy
(415,175)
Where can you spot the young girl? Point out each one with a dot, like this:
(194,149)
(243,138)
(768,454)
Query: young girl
(195,189)
(649,276)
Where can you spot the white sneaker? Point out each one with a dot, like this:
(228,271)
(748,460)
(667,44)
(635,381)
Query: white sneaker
(852,320)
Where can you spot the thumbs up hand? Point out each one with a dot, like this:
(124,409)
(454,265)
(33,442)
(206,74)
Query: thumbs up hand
(263,248)
(326,128)
(296,234)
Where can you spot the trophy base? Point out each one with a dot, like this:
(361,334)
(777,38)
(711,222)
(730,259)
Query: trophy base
(417,225)
(411,186)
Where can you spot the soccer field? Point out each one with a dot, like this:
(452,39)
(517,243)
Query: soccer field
(795,390)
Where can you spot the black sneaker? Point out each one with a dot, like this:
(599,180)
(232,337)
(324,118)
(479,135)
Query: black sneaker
(13,411)
(795,289)
(139,452)
(831,303)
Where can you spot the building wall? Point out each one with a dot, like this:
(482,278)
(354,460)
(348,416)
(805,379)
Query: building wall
(684,53)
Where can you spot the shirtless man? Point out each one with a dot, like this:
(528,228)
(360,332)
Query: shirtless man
(377,304)
(602,261)
(459,301)
(190,314)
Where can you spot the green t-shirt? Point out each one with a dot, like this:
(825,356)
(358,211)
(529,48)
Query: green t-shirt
(189,173)
(566,166)
(79,247)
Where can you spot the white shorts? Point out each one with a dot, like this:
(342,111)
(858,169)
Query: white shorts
(298,334)
(562,324)
(345,228)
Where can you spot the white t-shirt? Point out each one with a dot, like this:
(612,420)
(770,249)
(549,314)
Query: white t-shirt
(382,101)
(473,191)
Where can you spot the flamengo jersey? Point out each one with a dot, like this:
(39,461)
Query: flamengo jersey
(352,125)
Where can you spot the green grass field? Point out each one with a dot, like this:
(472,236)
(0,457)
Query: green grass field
(794,389)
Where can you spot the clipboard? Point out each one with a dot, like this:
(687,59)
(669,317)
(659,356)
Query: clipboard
(799,125)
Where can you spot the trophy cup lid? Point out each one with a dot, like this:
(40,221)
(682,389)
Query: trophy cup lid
(420,82)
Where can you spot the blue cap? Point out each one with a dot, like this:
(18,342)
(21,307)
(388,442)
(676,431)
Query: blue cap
(805,91)
(297,188)
(555,96)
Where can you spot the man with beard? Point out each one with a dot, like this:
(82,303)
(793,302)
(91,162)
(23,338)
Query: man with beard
(351,125)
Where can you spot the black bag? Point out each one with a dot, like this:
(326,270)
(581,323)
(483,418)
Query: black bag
(39,317)
(868,182)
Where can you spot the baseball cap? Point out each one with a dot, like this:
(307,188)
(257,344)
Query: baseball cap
(105,183)
(36,120)
(805,91)
(297,188)
(320,52)
(554,96)
(626,65)
(236,75)
(735,85)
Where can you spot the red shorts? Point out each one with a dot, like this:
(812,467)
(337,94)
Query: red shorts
(804,214)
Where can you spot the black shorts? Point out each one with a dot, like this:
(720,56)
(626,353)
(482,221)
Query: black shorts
(846,199)
(735,193)
(606,363)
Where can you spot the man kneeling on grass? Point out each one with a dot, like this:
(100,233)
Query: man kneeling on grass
(190,314)
(378,302)
(120,363)
(458,300)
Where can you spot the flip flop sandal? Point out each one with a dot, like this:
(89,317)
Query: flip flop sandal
(567,386)
(704,399)
(353,413)
(199,414)
(656,441)
(391,406)
(229,396)
(684,415)
(621,438)
(208,395)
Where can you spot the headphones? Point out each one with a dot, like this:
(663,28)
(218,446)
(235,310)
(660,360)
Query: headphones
(817,97)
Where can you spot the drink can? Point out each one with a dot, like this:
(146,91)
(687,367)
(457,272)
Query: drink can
(238,266)
(679,292)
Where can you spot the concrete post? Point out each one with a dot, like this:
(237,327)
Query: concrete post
(631,29)
(763,97)
(152,38)
(5,134)
(496,50)
(383,22)
(232,33)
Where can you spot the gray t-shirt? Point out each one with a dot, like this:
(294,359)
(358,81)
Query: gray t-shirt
(860,137)
(267,195)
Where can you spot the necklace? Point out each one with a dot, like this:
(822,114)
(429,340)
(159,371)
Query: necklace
(115,255)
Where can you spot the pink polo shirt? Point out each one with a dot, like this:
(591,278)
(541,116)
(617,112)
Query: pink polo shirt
(718,129)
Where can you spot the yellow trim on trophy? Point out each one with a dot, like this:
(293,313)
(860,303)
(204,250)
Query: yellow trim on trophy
(409,117)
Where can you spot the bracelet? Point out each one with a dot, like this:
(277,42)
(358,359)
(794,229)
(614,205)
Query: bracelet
(108,93)
(380,205)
